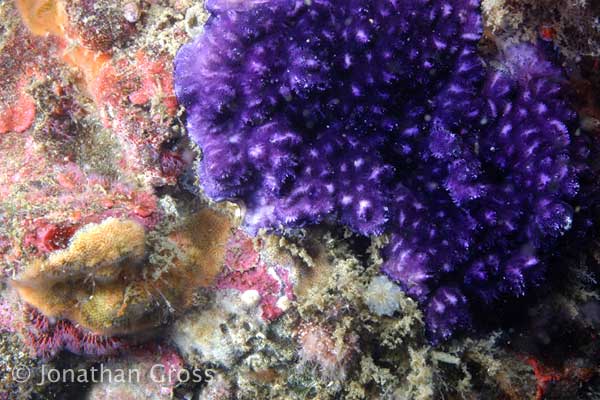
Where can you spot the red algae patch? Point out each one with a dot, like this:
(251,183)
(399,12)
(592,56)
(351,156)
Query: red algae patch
(18,116)
(156,80)
(247,270)
(132,92)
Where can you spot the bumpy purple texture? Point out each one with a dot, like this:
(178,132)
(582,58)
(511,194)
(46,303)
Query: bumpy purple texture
(480,215)
(308,110)
(380,115)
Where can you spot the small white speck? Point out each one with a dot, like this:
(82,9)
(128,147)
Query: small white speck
(250,298)
(131,12)
(283,303)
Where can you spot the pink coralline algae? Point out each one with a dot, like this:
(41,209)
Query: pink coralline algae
(80,198)
(156,81)
(18,116)
(8,320)
(245,270)
(23,59)
(241,254)
(123,89)
(132,93)
(60,197)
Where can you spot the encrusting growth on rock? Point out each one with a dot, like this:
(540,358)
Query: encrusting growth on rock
(476,170)
(104,281)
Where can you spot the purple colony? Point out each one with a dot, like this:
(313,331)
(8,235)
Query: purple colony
(380,115)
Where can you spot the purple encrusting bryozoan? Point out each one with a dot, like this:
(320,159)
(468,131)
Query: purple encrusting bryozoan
(479,214)
(306,110)
(381,116)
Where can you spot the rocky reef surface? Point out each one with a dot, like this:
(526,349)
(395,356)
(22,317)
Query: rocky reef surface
(281,199)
